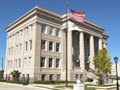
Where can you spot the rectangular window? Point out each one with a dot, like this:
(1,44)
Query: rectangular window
(50,62)
(57,47)
(50,46)
(11,63)
(76,76)
(16,48)
(51,77)
(25,62)
(16,63)
(26,46)
(44,28)
(43,45)
(19,63)
(57,32)
(20,47)
(31,28)
(9,51)
(26,30)
(58,77)
(30,60)
(57,63)
(42,64)
(12,50)
(30,44)
(51,31)
(43,77)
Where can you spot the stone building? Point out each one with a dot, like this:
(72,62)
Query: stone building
(36,46)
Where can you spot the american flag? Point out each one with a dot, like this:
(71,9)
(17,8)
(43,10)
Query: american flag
(77,15)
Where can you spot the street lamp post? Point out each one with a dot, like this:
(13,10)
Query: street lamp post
(116,59)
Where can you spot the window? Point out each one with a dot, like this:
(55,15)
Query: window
(57,47)
(25,62)
(16,63)
(58,77)
(20,33)
(51,31)
(8,64)
(17,35)
(30,60)
(43,77)
(20,47)
(42,64)
(57,32)
(57,63)
(31,28)
(26,46)
(76,76)
(30,44)
(50,62)
(50,46)
(44,28)
(12,50)
(11,64)
(43,45)
(26,30)
(51,77)
(16,48)
(19,63)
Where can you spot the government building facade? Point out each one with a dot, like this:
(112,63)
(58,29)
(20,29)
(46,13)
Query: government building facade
(36,47)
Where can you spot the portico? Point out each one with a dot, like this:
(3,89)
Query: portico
(82,47)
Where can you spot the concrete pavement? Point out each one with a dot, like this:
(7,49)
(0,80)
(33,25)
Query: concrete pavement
(9,86)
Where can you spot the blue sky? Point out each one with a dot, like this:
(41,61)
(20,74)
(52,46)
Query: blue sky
(105,13)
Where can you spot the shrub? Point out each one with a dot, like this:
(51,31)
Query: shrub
(17,82)
(15,74)
(52,82)
(1,80)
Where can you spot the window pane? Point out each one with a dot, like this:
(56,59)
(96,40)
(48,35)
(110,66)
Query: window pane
(57,63)
(43,77)
(51,77)
(51,31)
(43,28)
(57,47)
(43,44)
(26,45)
(30,44)
(50,62)
(42,62)
(58,32)
(50,46)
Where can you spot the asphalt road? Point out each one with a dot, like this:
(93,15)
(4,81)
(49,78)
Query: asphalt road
(9,86)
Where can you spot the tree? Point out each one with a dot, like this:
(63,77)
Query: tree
(102,64)
(16,75)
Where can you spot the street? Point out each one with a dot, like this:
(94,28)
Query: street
(9,86)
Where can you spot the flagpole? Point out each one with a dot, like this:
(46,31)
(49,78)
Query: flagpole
(66,46)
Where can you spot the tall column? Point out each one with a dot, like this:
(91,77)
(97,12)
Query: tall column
(100,43)
(82,52)
(69,49)
(92,52)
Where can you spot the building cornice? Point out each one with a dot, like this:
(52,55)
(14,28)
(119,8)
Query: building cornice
(35,11)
